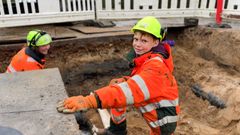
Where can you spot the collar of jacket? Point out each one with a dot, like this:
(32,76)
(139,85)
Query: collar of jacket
(138,61)
(36,56)
(160,50)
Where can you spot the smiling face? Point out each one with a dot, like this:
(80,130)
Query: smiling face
(44,49)
(143,42)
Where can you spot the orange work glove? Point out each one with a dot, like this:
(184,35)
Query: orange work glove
(118,80)
(77,103)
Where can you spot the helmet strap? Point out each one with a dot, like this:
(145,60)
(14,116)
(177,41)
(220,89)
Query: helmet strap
(34,39)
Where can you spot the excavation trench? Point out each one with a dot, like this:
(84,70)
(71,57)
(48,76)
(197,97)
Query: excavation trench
(201,56)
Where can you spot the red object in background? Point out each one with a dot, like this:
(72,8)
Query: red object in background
(219,11)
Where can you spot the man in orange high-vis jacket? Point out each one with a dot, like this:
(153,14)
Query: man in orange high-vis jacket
(31,57)
(151,86)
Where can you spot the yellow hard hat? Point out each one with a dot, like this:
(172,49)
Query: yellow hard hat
(38,38)
(150,25)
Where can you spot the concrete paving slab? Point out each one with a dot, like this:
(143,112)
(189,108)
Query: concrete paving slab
(94,30)
(28,103)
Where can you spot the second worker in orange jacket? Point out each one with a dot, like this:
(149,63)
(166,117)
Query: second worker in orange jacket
(31,57)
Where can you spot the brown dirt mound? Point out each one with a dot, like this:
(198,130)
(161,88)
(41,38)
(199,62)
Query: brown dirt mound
(210,58)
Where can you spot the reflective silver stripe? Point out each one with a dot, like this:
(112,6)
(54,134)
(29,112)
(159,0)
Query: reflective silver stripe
(119,109)
(147,108)
(30,59)
(10,69)
(163,121)
(127,92)
(157,58)
(119,118)
(142,85)
(162,103)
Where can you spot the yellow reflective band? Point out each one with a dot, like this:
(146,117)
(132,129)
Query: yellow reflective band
(142,85)
(163,121)
(30,59)
(127,92)
(156,58)
(120,118)
(11,69)
(162,103)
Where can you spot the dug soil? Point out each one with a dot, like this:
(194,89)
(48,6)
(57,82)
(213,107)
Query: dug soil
(202,56)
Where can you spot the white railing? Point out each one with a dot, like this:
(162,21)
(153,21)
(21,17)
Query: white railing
(232,9)
(123,9)
(22,12)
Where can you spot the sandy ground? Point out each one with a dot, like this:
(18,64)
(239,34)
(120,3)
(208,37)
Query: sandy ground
(205,56)
(209,57)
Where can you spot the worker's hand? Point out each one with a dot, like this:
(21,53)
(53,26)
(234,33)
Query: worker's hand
(77,103)
(118,80)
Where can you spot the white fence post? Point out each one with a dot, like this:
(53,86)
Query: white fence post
(9,4)
(174,4)
(126,5)
(136,5)
(99,5)
(164,4)
(183,4)
(203,4)
(108,4)
(1,8)
(230,4)
(117,5)
(46,6)
(80,8)
(25,7)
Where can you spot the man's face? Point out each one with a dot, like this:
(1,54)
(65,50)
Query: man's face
(44,49)
(143,43)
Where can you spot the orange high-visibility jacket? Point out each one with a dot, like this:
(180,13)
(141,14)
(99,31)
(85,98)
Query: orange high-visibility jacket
(152,88)
(23,62)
